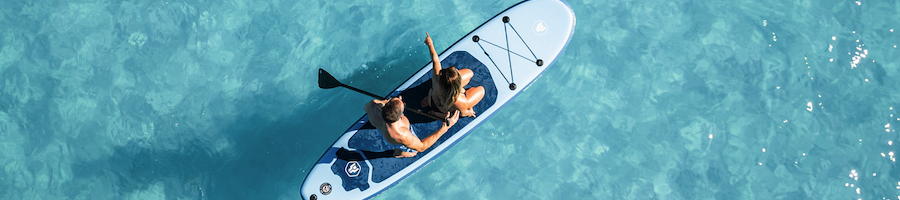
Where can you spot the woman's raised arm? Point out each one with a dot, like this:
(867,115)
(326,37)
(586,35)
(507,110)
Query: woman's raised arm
(436,62)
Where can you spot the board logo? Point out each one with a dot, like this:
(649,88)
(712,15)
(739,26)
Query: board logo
(352,169)
(539,27)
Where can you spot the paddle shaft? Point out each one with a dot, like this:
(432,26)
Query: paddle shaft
(362,91)
(382,98)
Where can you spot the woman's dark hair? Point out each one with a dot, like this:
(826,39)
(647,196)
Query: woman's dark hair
(451,81)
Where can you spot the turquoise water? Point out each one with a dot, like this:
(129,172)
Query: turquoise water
(652,99)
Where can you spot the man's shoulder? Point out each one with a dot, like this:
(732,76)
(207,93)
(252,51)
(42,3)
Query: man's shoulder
(409,134)
(402,134)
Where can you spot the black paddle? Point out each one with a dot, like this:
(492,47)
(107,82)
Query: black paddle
(327,81)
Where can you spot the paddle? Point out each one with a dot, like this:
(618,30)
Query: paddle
(327,81)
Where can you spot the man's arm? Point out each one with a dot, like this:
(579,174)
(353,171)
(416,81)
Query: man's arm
(424,144)
(374,116)
(370,106)
(434,57)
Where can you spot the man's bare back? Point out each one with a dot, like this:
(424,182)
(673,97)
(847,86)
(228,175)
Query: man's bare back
(398,129)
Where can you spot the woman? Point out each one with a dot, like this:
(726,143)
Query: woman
(447,93)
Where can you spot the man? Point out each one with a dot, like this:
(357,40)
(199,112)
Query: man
(387,117)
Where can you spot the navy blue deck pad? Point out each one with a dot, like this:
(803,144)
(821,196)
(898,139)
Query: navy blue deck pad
(371,140)
(359,181)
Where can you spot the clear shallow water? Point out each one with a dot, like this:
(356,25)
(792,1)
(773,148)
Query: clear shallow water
(652,100)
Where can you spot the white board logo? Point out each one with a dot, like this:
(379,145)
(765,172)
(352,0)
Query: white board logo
(352,169)
(539,27)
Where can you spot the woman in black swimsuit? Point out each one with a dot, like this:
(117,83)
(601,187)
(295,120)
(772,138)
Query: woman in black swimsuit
(447,93)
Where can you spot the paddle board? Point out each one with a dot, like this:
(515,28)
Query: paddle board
(507,53)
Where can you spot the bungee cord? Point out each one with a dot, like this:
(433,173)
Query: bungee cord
(511,81)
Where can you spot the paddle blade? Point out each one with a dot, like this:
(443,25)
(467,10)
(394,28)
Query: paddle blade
(326,81)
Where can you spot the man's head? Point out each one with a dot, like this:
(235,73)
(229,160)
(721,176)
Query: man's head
(392,110)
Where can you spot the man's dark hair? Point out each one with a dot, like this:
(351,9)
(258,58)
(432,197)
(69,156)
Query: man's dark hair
(391,111)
